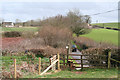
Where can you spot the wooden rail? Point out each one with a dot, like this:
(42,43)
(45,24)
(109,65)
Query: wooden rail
(115,60)
(90,60)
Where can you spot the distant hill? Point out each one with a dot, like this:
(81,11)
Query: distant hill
(111,25)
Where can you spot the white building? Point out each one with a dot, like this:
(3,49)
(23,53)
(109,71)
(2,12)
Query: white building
(7,24)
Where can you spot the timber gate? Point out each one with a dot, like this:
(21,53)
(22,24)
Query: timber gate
(80,61)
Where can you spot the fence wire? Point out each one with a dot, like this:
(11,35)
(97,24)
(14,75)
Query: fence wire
(24,67)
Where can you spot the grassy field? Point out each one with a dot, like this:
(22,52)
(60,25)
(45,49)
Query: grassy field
(19,29)
(112,25)
(103,35)
(86,73)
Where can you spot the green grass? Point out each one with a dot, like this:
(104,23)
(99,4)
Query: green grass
(86,73)
(103,35)
(21,29)
(112,25)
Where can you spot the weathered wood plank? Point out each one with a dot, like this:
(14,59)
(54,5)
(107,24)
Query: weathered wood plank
(49,67)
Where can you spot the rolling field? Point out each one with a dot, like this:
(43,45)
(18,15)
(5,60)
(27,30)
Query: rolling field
(111,25)
(5,29)
(103,35)
(100,35)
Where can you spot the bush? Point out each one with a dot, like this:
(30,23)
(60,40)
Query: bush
(79,31)
(47,51)
(37,52)
(85,43)
(7,75)
(28,34)
(12,34)
(55,37)
(101,51)
(5,52)
(32,43)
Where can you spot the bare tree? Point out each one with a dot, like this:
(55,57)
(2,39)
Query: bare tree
(74,20)
(18,22)
(87,19)
(1,20)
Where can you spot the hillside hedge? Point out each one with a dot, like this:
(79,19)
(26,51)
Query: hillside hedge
(12,34)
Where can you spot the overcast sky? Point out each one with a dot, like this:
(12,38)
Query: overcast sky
(10,10)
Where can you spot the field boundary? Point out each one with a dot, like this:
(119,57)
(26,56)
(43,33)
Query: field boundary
(96,26)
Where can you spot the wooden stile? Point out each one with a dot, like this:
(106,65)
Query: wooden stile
(49,67)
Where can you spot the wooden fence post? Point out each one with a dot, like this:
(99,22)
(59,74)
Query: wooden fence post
(39,65)
(68,52)
(81,63)
(14,68)
(67,55)
(50,61)
(109,56)
(54,67)
(64,60)
(58,61)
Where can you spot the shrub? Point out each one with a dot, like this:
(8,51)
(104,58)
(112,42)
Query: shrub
(31,43)
(79,31)
(55,37)
(31,56)
(12,34)
(47,51)
(5,52)
(85,43)
(37,52)
(101,51)
(10,74)
(28,34)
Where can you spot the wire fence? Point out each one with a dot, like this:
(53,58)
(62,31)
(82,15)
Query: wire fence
(24,67)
